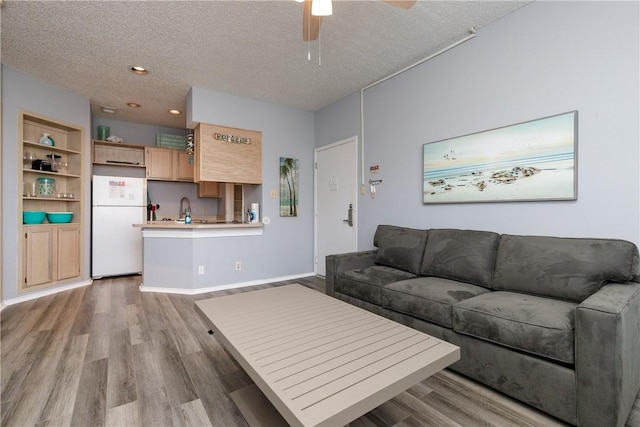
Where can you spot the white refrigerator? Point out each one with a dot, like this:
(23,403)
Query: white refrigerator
(117,204)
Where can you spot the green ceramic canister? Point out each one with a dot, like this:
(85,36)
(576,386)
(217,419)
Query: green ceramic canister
(103,132)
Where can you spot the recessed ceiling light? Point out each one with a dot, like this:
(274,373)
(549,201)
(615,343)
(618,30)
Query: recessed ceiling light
(139,70)
(133,105)
(107,109)
(175,112)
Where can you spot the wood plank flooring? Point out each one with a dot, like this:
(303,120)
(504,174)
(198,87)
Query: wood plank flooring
(108,354)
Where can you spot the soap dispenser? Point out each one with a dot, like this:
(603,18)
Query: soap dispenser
(187,219)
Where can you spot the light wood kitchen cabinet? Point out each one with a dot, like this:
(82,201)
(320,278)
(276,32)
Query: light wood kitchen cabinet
(183,166)
(166,164)
(118,154)
(159,162)
(209,189)
(38,255)
(51,253)
(68,244)
(225,154)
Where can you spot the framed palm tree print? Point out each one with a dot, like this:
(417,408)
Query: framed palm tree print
(289,173)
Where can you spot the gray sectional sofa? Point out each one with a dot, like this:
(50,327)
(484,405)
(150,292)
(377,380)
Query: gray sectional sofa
(553,322)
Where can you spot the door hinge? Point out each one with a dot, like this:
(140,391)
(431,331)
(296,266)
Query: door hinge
(315,165)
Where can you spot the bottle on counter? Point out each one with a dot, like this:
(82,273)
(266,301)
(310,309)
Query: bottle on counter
(187,218)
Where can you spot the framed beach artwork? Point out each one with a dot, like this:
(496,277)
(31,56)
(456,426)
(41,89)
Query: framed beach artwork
(289,176)
(529,161)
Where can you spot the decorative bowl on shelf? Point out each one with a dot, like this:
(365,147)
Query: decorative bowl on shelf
(33,217)
(59,217)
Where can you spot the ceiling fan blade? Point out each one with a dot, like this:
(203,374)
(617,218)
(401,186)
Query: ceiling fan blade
(310,24)
(402,4)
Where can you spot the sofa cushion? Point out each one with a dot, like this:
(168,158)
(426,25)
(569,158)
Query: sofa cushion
(537,325)
(366,283)
(465,255)
(428,298)
(400,247)
(565,268)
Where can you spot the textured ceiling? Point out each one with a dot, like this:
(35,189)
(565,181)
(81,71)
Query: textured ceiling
(252,49)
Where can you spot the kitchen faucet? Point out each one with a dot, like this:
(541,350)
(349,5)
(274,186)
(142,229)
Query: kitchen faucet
(183,211)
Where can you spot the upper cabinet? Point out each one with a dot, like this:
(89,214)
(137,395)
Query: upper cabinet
(226,154)
(159,163)
(166,164)
(183,166)
(209,189)
(222,154)
(117,154)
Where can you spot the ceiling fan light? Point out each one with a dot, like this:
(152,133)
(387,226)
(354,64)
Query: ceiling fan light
(321,8)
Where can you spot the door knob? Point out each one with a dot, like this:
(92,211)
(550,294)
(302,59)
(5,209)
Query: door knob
(349,219)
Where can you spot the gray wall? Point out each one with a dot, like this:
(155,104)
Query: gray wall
(22,92)
(286,245)
(544,59)
(133,133)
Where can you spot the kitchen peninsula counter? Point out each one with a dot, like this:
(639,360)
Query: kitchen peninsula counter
(179,225)
(192,258)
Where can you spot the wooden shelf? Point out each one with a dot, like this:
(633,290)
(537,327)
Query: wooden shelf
(53,149)
(53,174)
(51,199)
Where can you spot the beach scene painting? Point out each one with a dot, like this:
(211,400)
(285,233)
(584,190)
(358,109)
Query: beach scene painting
(529,161)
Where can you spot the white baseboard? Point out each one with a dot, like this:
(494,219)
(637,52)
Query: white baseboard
(44,293)
(197,291)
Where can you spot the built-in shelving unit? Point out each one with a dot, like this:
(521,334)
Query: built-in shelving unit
(50,253)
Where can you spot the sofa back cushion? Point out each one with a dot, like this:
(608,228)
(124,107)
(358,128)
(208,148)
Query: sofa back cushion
(400,247)
(464,255)
(566,268)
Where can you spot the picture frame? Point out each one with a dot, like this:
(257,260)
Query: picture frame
(529,161)
(289,186)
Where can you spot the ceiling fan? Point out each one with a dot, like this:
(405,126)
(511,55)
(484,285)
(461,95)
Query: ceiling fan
(314,10)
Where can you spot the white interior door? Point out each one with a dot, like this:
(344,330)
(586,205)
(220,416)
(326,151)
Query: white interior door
(336,189)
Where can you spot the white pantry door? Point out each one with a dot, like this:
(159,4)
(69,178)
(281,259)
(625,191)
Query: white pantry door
(336,189)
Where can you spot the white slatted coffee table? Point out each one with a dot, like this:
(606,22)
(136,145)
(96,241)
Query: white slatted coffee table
(318,360)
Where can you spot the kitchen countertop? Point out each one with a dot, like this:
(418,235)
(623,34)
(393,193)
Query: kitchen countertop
(197,225)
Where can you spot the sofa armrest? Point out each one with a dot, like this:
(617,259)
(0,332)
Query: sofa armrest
(607,349)
(336,264)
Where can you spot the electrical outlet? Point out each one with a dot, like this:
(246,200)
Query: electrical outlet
(362,190)
(204,210)
(238,266)
(200,270)
(274,194)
